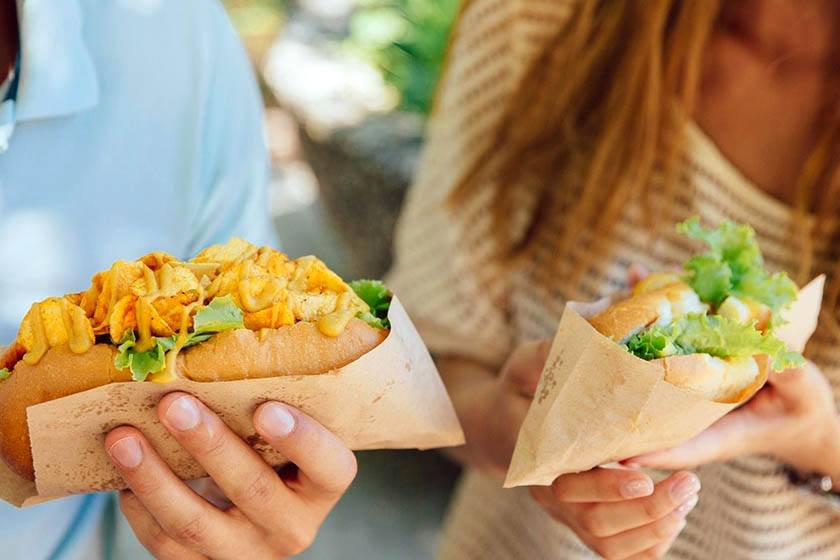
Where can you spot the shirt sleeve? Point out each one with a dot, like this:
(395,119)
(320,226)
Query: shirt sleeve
(233,198)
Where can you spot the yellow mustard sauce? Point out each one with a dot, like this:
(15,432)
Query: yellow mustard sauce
(79,332)
(333,324)
(41,345)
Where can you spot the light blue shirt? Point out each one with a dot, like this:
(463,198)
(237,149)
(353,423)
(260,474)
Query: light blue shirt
(137,126)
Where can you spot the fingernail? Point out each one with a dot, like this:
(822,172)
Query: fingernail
(687,506)
(637,488)
(183,414)
(276,420)
(127,452)
(685,487)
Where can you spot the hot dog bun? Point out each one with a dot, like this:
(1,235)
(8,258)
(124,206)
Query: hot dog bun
(625,318)
(299,349)
(58,374)
(720,380)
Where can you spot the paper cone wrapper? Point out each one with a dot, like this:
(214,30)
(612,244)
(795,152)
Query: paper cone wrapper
(392,397)
(596,403)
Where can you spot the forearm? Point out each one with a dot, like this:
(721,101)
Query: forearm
(470,386)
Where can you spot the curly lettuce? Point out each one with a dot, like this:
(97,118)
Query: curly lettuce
(733,265)
(714,335)
(4,373)
(219,315)
(378,298)
(142,363)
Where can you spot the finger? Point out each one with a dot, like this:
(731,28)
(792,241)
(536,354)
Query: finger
(601,485)
(632,542)
(636,273)
(525,364)
(735,434)
(252,485)
(326,466)
(677,492)
(660,550)
(210,491)
(150,534)
(801,388)
(183,514)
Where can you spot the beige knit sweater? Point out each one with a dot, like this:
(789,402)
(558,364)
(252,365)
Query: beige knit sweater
(469,306)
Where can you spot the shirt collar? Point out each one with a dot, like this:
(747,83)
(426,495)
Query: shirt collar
(57,74)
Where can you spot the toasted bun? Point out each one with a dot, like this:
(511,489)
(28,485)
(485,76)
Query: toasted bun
(727,380)
(722,380)
(298,349)
(625,318)
(59,373)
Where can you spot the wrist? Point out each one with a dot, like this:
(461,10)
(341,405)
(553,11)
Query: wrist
(473,405)
(832,462)
(824,456)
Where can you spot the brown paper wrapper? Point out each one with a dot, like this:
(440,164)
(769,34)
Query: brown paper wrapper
(596,403)
(390,398)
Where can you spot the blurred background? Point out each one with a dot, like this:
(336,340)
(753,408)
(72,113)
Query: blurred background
(347,86)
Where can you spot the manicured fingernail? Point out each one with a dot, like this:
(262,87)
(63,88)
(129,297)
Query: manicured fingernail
(686,486)
(276,420)
(637,488)
(183,414)
(684,508)
(127,452)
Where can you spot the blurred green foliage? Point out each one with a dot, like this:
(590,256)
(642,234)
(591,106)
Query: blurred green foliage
(407,41)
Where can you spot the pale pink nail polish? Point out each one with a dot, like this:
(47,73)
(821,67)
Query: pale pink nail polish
(686,507)
(683,488)
(637,488)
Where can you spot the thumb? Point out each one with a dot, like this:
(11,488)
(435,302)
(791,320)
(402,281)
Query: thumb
(727,438)
(801,388)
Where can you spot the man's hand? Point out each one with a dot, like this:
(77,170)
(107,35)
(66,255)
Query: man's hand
(272,515)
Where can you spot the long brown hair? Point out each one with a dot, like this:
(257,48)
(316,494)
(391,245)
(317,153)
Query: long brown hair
(601,110)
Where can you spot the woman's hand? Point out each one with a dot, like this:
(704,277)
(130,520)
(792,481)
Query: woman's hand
(793,418)
(272,515)
(621,514)
(493,411)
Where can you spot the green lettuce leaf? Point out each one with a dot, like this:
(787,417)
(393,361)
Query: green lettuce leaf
(777,291)
(710,278)
(715,335)
(143,363)
(655,342)
(378,297)
(4,374)
(220,315)
(733,265)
